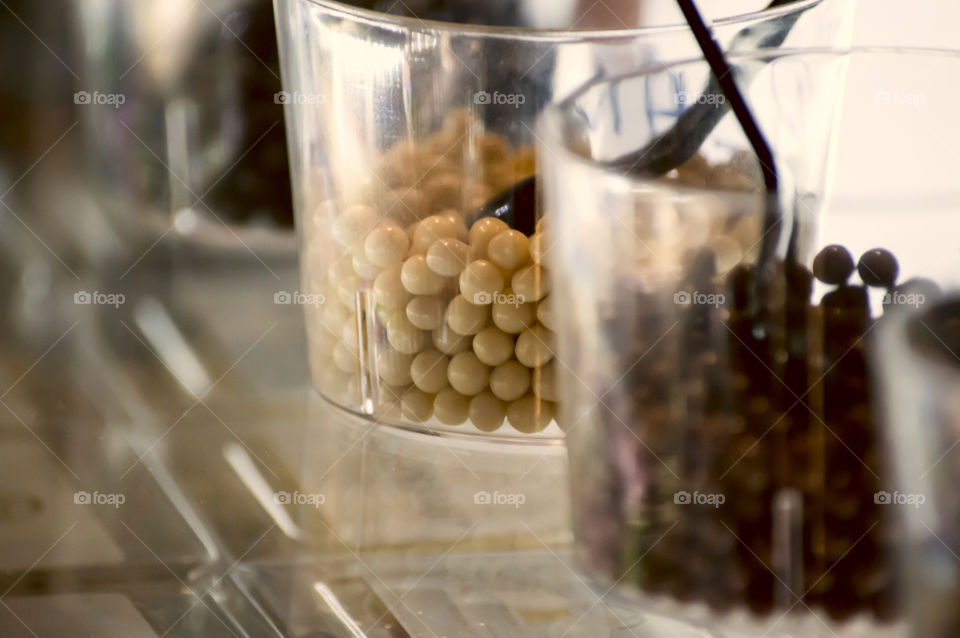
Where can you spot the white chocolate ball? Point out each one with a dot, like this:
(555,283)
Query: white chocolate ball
(347,291)
(429,371)
(491,147)
(466,318)
(386,244)
(426,312)
(416,405)
(476,193)
(480,281)
(493,346)
(545,382)
(406,205)
(364,267)
(349,334)
(509,249)
(404,336)
(535,346)
(433,228)
(467,374)
(482,231)
(450,407)
(509,381)
(444,190)
(388,290)
(545,313)
(353,224)
(513,318)
(447,341)
(448,256)
(532,283)
(346,359)
(394,367)
(539,248)
(333,317)
(457,219)
(487,412)
(390,394)
(418,279)
(339,270)
(528,415)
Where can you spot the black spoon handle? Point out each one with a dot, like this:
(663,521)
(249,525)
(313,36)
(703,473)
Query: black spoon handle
(677,144)
(516,203)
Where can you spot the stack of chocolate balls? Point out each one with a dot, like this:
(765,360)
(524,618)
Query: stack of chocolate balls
(773,411)
(453,322)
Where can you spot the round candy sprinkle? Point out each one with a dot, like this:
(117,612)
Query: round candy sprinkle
(487,412)
(878,268)
(535,346)
(467,374)
(429,371)
(450,407)
(833,265)
(480,281)
(509,381)
(493,346)
(466,318)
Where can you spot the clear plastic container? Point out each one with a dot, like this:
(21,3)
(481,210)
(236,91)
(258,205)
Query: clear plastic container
(726,457)
(422,312)
(920,373)
(181,106)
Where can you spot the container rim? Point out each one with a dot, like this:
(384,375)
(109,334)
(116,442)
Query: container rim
(377,18)
(551,120)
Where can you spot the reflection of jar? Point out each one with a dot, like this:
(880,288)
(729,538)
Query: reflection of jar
(195,142)
(418,314)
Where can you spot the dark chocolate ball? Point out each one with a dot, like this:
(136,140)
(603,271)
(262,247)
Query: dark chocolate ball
(833,265)
(878,268)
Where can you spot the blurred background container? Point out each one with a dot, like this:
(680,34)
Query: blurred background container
(183,119)
(920,375)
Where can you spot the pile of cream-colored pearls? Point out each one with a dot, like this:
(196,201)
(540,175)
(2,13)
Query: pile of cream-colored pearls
(463,321)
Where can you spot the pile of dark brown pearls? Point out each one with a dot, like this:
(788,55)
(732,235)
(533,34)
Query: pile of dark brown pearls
(758,431)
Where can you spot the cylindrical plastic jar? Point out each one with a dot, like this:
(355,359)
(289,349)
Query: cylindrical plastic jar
(421,311)
(729,466)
